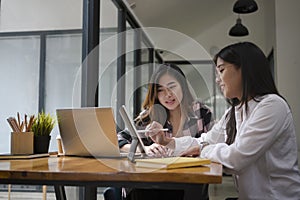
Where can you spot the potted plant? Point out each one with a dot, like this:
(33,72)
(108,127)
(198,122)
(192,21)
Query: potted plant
(42,126)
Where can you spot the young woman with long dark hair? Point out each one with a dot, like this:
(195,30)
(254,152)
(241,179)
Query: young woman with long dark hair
(255,140)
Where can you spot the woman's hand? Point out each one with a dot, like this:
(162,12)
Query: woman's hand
(157,150)
(156,135)
(193,151)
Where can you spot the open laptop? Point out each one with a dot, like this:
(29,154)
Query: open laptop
(88,132)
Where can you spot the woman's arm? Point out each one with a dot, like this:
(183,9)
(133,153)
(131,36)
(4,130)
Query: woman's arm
(260,131)
(187,144)
(181,144)
(124,138)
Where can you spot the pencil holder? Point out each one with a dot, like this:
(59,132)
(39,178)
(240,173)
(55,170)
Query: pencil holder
(21,143)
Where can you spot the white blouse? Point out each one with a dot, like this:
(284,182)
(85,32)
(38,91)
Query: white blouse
(263,157)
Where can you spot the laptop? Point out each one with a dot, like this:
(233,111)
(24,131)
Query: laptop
(88,132)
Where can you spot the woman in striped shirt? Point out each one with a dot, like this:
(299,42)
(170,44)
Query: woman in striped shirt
(170,103)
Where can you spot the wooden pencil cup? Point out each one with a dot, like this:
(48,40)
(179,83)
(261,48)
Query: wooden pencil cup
(21,143)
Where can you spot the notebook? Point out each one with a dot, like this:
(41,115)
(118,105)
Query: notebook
(88,132)
(171,162)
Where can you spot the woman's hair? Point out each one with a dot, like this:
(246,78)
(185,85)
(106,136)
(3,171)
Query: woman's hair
(153,108)
(257,79)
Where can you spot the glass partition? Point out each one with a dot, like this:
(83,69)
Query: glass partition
(38,59)
(35,62)
(108,45)
(19,77)
(129,75)
(108,67)
(63,75)
(147,68)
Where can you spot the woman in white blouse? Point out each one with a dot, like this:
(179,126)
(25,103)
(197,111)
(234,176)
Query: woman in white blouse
(255,139)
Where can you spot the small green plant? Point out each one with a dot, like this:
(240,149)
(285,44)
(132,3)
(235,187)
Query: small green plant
(43,124)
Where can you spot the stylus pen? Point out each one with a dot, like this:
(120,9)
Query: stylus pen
(145,131)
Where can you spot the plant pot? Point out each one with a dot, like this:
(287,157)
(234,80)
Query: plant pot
(41,144)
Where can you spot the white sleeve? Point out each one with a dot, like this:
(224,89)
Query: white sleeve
(259,132)
(215,135)
(183,143)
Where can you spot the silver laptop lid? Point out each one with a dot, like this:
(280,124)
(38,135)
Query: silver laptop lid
(88,132)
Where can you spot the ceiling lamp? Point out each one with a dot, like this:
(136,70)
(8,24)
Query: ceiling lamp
(245,6)
(238,29)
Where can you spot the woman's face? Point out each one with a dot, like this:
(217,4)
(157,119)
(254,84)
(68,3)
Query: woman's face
(169,92)
(229,78)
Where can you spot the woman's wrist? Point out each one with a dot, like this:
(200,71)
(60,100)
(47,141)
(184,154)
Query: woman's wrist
(202,145)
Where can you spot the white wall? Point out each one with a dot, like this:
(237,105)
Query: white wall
(287,55)
(269,32)
(20,15)
(216,35)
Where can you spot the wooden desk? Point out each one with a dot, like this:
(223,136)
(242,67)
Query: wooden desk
(90,172)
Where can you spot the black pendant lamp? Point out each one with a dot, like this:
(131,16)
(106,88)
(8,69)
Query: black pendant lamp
(245,6)
(238,29)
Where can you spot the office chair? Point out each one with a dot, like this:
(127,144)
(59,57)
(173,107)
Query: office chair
(112,193)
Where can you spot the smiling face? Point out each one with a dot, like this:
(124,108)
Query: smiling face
(169,92)
(229,78)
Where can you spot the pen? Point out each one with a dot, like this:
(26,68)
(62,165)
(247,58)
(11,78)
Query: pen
(145,131)
(31,120)
(19,119)
(26,125)
(14,124)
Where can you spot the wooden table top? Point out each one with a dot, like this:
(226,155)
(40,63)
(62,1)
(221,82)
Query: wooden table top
(79,169)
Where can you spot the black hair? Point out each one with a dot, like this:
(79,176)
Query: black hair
(152,106)
(257,79)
